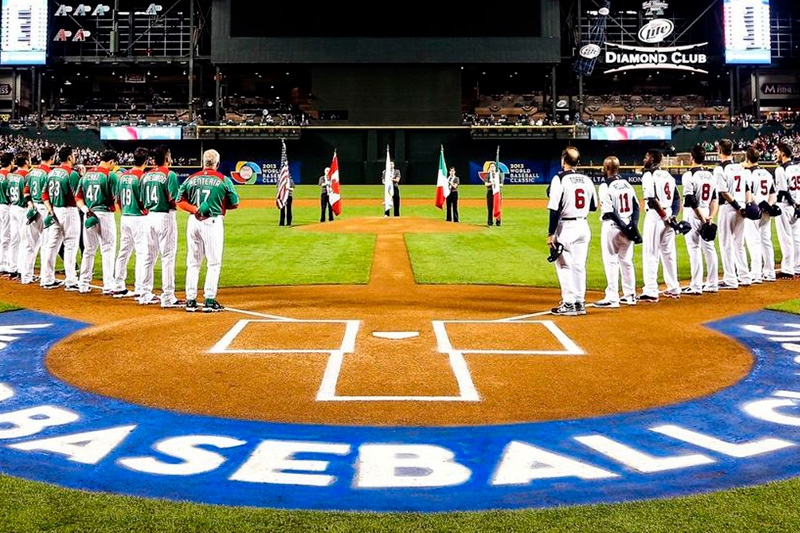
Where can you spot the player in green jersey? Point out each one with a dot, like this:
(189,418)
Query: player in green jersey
(19,208)
(207,195)
(35,183)
(6,164)
(96,198)
(133,226)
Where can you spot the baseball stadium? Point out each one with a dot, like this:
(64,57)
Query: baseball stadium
(426,267)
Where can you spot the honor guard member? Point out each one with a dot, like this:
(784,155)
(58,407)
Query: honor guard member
(494,179)
(96,199)
(324,196)
(63,224)
(701,205)
(571,197)
(662,204)
(396,188)
(452,198)
(6,164)
(19,210)
(160,195)
(286,210)
(206,195)
(787,183)
(758,233)
(35,183)
(733,195)
(132,228)
(619,210)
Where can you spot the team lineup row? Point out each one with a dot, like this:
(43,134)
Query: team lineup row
(743,199)
(49,210)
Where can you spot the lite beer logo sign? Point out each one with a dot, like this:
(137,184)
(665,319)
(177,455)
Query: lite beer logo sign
(656,31)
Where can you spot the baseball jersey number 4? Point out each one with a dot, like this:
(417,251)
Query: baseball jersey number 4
(667,191)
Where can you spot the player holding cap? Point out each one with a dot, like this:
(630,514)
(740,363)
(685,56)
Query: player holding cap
(733,195)
(35,183)
(133,228)
(662,204)
(787,182)
(159,198)
(206,195)
(571,197)
(758,233)
(6,164)
(95,198)
(619,211)
(700,200)
(63,224)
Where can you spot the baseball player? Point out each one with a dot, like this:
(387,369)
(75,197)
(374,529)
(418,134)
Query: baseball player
(206,195)
(662,204)
(700,201)
(95,198)
(133,231)
(159,196)
(6,164)
(619,210)
(35,183)
(571,195)
(19,211)
(733,195)
(787,183)
(758,233)
(62,224)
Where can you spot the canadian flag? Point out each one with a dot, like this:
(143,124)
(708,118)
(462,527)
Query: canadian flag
(442,184)
(334,196)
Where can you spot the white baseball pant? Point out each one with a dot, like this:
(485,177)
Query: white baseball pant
(789,239)
(66,231)
(132,238)
(575,235)
(17,221)
(698,249)
(5,237)
(658,246)
(161,239)
(758,238)
(617,253)
(103,236)
(206,238)
(30,245)
(731,246)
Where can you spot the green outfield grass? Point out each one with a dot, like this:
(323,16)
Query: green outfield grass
(792,306)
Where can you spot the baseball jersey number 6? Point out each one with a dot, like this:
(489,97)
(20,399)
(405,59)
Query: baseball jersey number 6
(580,198)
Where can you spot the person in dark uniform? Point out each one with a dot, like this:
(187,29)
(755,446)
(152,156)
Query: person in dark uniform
(324,199)
(452,198)
(396,195)
(493,175)
(286,211)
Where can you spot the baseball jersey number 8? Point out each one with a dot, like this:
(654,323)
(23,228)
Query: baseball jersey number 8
(705,193)
(580,198)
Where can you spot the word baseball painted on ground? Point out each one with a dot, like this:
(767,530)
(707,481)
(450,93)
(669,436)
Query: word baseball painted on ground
(746,434)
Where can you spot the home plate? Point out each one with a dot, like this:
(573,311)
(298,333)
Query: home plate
(395,335)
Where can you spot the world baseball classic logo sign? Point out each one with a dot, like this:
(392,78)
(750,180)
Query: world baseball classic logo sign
(745,434)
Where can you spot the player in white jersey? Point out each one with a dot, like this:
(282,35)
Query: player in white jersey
(619,213)
(758,233)
(733,195)
(701,206)
(662,205)
(787,184)
(571,197)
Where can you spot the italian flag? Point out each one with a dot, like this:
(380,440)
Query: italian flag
(335,197)
(442,184)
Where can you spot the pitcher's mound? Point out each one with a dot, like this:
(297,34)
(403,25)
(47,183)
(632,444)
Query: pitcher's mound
(389,225)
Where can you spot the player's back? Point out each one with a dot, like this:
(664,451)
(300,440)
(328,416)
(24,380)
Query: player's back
(129,192)
(577,195)
(623,197)
(62,183)
(159,190)
(731,179)
(701,183)
(762,184)
(659,184)
(96,188)
(792,179)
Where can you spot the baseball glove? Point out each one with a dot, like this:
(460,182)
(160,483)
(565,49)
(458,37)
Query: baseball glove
(681,227)
(555,252)
(632,233)
(708,232)
(770,209)
(752,212)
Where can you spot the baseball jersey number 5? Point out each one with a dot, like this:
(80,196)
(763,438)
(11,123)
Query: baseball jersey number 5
(580,198)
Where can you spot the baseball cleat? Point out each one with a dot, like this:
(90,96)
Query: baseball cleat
(649,299)
(54,285)
(580,308)
(628,300)
(784,275)
(727,287)
(564,309)
(770,280)
(85,291)
(173,305)
(691,292)
(148,299)
(674,295)
(212,306)
(191,306)
(71,288)
(605,303)
(126,294)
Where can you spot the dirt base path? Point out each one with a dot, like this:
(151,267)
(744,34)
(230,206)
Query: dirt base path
(632,358)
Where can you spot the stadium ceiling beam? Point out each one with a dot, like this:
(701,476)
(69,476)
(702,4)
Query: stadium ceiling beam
(130,60)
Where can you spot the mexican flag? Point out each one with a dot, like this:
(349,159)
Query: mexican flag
(334,196)
(442,184)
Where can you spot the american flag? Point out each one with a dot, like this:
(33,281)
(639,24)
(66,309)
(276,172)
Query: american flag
(283,179)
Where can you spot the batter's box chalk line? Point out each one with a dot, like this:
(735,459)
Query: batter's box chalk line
(467,392)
